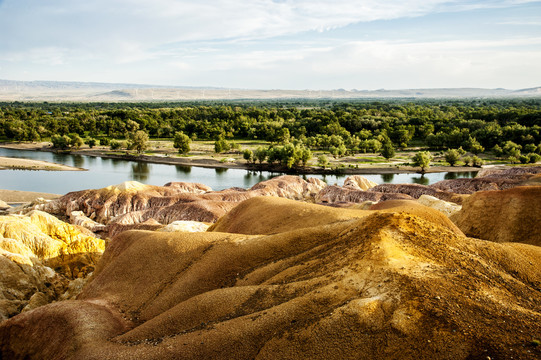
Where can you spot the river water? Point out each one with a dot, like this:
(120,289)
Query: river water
(105,172)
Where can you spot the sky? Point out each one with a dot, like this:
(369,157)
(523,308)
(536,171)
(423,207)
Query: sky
(275,44)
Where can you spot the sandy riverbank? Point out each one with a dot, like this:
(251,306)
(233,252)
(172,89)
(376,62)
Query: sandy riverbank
(8,163)
(208,161)
(16,196)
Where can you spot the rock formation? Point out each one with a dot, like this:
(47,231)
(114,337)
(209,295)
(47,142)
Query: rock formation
(336,194)
(31,247)
(316,285)
(489,179)
(447,208)
(357,182)
(114,208)
(512,215)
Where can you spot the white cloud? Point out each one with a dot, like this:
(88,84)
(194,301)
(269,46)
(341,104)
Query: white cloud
(228,42)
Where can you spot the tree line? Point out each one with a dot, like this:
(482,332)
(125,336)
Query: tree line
(507,128)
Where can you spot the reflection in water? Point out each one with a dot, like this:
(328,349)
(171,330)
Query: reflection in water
(78,161)
(420,180)
(91,161)
(220,171)
(140,171)
(117,162)
(60,158)
(387,178)
(450,176)
(460,175)
(181,169)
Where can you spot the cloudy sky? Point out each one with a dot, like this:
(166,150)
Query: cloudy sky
(275,44)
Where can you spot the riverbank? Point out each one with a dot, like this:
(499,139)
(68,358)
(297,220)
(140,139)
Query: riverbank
(343,166)
(17,197)
(8,163)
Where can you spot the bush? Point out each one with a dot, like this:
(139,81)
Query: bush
(452,156)
(115,144)
(61,141)
(248,155)
(477,162)
(322,161)
(91,142)
(534,158)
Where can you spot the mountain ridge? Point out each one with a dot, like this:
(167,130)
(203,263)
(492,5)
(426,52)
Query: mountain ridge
(43,90)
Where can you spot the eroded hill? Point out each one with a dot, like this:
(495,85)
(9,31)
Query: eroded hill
(350,284)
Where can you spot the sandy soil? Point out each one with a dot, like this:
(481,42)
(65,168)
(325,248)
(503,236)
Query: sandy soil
(27,164)
(16,196)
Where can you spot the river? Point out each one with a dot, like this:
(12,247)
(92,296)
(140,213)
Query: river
(104,172)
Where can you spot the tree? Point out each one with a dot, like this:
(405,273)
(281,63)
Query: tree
(387,149)
(248,155)
(322,161)
(452,156)
(422,159)
(221,145)
(306,155)
(76,141)
(115,144)
(61,141)
(91,142)
(261,154)
(182,142)
(138,141)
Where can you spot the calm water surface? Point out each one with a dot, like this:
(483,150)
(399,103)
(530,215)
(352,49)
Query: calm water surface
(105,172)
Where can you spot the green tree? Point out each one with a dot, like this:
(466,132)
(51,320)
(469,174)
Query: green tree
(138,141)
(422,159)
(91,142)
(387,149)
(221,145)
(182,142)
(115,144)
(248,155)
(306,155)
(322,161)
(452,156)
(261,154)
(61,141)
(76,141)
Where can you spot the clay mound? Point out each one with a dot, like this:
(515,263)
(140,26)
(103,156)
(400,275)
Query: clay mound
(114,229)
(358,182)
(445,207)
(102,204)
(512,215)
(510,172)
(132,202)
(270,215)
(202,211)
(290,187)
(389,285)
(416,190)
(415,208)
(336,194)
(187,187)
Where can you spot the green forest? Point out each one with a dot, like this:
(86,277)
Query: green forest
(505,128)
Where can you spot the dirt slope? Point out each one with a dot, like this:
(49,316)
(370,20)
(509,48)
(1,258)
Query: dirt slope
(512,215)
(389,285)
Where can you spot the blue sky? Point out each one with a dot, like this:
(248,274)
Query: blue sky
(275,44)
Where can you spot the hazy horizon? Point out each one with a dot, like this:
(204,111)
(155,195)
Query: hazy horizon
(275,44)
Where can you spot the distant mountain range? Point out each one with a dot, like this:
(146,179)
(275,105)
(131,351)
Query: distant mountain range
(108,92)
